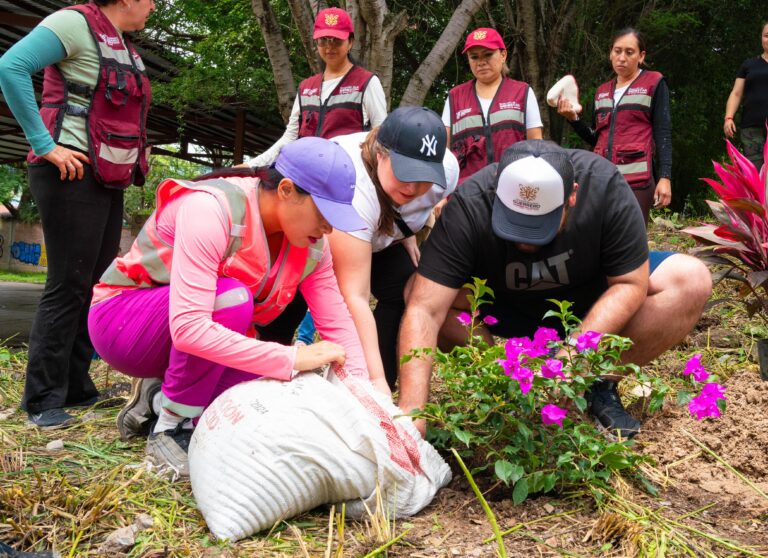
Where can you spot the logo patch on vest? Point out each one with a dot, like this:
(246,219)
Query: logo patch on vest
(307,91)
(637,91)
(514,105)
(111,41)
(331,19)
(462,112)
(347,89)
(479,35)
(429,143)
(603,95)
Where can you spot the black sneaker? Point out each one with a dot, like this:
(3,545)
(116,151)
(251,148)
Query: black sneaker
(168,450)
(605,405)
(135,418)
(51,419)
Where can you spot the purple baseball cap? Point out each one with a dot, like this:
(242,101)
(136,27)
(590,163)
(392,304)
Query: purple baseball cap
(324,170)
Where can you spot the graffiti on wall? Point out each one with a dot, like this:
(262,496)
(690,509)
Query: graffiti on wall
(29,253)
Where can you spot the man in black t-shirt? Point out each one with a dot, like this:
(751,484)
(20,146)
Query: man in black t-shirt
(550,223)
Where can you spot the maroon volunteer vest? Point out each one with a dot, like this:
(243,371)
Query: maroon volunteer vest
(475,142)
(625,129)
(342,111)
(117,113)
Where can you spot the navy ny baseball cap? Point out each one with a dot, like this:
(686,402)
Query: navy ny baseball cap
(416,139)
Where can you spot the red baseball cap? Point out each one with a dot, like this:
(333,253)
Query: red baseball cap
(485,37)
(333,22)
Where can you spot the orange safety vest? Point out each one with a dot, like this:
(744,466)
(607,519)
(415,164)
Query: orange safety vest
(148,263)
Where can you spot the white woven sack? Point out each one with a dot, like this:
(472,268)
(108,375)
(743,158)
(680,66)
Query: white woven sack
(268,450)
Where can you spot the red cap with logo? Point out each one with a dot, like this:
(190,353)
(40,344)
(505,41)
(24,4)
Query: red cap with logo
(333,22)
(484,37)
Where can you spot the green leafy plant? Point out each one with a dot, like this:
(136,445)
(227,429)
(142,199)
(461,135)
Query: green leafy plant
(517,411)
(738,245)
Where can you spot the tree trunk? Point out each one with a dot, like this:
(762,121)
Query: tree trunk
(539,33)
(382,27)
(305,21)
(278,56)
(433,64)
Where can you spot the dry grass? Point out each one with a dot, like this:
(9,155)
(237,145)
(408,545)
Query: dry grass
(70,500)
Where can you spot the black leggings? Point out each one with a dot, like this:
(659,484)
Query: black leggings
(82,221)
(390,270)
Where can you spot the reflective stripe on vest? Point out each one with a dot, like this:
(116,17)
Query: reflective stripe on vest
(476,142)
(117,112)
(342,111)
(148,263)
(625,131)
(633,168)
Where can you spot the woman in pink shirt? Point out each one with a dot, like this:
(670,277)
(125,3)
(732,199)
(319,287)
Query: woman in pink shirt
(218,260)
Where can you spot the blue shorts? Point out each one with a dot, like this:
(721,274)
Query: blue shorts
(521,320)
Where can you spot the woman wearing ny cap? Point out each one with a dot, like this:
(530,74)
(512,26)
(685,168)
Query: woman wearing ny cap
(218,256)
(487,114)
(89,143)
(403,170)
(631,121)
(343,99)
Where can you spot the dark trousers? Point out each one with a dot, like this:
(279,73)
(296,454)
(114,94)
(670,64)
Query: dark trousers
(82,222)
(390,270)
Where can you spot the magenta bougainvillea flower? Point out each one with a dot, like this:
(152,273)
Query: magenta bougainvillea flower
(524,376)
(552,368)
(515,347)
(464,318)
(552,414)
(713,391)
(545,335)
(588,340)
(705,405)
(694,367)
(490,320)
(508,366)
(702,406)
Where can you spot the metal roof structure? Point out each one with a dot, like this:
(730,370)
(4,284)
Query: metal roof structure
(225,132)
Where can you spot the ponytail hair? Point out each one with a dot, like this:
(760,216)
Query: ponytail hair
(370,149)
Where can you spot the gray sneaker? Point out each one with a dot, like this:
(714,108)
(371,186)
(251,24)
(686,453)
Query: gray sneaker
(168,451)
(136,417)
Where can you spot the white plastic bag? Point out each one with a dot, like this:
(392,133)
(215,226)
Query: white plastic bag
(567,88)
(267,450)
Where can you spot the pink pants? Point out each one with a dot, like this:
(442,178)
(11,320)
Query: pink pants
(131,333)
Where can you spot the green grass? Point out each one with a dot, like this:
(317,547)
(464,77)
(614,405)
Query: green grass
(23,277)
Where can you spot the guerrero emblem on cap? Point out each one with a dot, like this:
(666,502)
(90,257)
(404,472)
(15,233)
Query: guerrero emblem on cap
(528,193)
(331,19)
(479,35)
